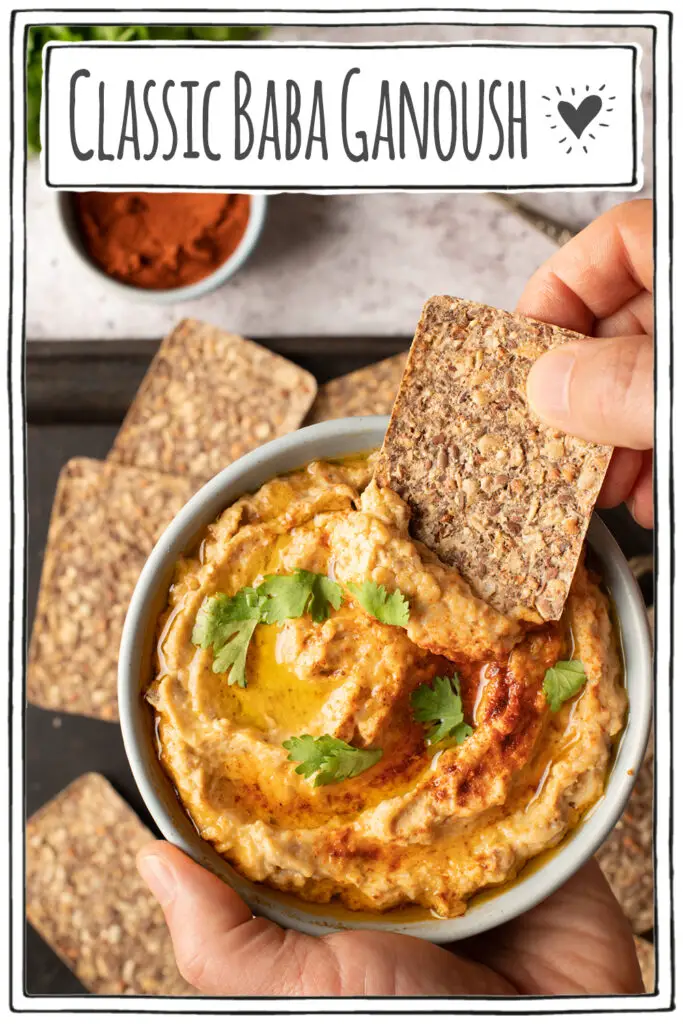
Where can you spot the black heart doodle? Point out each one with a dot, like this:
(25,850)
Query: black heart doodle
(578,118)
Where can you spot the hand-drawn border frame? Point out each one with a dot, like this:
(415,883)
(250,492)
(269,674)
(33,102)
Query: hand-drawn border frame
(660,23)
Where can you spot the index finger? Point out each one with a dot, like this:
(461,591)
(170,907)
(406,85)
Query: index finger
(597,272)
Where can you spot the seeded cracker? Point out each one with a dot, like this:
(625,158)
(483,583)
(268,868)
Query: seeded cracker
(369,391)
(105,522)
(626,856)
(647,962)
(492,491)
(208,398)
(86,898)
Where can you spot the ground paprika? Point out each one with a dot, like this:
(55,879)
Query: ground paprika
(161,240)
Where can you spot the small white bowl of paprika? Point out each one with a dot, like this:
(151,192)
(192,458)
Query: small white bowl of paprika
(164,247)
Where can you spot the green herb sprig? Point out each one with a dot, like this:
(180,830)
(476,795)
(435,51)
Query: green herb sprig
(441,705)
(328,758)
(390,608)
(562,682)
(227,623)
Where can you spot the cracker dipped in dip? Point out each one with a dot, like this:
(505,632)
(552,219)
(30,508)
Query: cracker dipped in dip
(343,717)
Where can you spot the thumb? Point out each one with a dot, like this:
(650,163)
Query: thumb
(220,947)
(599,390)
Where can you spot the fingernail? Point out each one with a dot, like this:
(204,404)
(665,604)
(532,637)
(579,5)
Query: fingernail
(547,385)
(632,506)
(159,877)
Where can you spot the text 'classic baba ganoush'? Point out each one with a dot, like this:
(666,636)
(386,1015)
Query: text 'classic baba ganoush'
(342,717)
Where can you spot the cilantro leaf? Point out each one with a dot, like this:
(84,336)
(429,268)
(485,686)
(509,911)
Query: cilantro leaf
(246,604)
(289,597)
(308,750)
(227,623)
(459,734)
(285,597)
(324,592)
(329,759)
(562,681)
(218,614)
(441,704)
(234,652)
(393,609)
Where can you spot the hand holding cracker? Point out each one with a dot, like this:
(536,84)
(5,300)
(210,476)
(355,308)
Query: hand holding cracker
(600,283)
(492,491)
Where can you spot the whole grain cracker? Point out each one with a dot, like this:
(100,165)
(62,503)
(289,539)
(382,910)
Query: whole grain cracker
(491,490)
(208,398)
(104,524)
(626,856)
(647,962)
(86,899)
(369,391)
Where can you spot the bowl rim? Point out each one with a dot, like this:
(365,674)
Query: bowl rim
(332,439)
(166,296)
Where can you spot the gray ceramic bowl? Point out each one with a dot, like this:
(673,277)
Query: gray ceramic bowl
(335,438)
(167,296)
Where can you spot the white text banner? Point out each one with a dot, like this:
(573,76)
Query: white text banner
(271,117)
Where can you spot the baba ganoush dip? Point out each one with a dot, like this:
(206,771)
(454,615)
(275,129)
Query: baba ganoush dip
(370,730)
